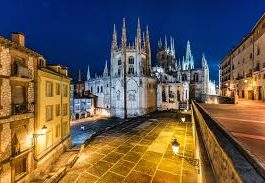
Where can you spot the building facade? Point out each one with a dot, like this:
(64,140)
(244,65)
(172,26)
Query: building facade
(132,87)
(16,108)
(21,130)
(82,104)
(52,110)
(242,71)
(128,89)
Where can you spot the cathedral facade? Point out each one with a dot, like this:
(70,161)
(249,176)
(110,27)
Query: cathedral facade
(127,89)
(132,87)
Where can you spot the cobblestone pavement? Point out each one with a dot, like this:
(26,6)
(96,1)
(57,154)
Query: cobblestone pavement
(79,136)
(137,152)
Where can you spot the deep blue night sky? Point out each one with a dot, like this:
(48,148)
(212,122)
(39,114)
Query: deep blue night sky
(77,33)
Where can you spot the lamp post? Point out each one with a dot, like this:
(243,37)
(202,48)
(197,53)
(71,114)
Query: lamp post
(175,148)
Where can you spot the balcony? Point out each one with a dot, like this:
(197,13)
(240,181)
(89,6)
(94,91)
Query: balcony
(22,108)
(20,72)
(257,68)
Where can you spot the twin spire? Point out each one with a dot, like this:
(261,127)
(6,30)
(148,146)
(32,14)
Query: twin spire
(140,41)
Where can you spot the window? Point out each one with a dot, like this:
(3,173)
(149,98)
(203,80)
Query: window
(58,89)
(57,134)
(57,110)
(101,89)
(195,77)
(119,62)
(65,90)
(21,167)
(49,113)
(250,56)
(131,60)
(65,109)
(258,51)
(119,72)
(49,88)
(98,89)
(131,70)
(91,89)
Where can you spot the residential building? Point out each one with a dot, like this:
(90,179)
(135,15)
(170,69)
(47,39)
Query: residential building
(17,88)
(28,87)
(242,71)
(52,110)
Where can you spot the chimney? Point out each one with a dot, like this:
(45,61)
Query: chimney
(19,38)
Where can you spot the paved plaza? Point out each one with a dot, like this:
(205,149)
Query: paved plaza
(90,126)
(245,121)
(139,151)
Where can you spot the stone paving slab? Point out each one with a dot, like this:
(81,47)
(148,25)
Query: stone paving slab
(137,152)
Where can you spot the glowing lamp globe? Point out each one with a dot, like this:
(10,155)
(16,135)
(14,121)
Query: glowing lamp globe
(44,129)
(175,146)
(183,119)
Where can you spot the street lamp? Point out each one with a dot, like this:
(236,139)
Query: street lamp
(43,132)
(183,119)
(175,148)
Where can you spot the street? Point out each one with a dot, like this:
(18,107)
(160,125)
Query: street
(138,151)
(90,126)
(245,122)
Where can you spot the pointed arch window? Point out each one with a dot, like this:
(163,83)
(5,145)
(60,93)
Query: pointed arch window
(119,62)
(131,60)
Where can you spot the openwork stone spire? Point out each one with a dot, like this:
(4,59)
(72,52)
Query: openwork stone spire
(123,37)
(114,39)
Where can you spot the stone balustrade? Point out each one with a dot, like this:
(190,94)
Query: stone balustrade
(228,161)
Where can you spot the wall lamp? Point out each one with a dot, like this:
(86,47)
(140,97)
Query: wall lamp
(43,132)
(175,148)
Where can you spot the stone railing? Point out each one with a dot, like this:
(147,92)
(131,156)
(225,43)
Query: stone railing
(229,162)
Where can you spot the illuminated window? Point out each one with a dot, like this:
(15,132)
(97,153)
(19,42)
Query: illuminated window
(57,134)
(58,89)
(49,112)
(21,167)
(49,88)
(65,109)
(57,110)
(65,90)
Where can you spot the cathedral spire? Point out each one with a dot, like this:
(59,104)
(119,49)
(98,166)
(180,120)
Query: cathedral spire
(124,38)
(204,61)
(160,43)
(165,41)
(79,76)
(88,73)
(138,35)
(189,58)
(114,39)
(148,51)
(106,71)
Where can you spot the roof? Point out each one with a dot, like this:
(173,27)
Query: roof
(14,45)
